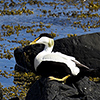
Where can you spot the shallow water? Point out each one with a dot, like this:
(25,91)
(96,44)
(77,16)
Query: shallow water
(59,17)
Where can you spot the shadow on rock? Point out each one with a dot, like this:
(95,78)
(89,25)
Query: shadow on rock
(44,89)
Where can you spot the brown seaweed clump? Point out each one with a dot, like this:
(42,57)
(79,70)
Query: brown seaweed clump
(22,83)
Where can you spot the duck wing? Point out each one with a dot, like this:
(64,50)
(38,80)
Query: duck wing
(60,57)
(80,65)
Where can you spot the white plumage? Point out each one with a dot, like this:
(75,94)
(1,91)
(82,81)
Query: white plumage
(57,57)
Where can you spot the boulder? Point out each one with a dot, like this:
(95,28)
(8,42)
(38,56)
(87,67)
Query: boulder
(25,57)
(82,89)
(85,48)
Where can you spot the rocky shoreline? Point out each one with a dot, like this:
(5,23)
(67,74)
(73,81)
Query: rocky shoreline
(86,49)
(83,89)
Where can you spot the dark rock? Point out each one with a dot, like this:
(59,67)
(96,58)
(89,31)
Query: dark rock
(83,89)
(1,92)
(44,89)
(89,89)
(85,48)
(25,57)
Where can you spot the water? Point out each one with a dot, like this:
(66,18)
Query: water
(59,16)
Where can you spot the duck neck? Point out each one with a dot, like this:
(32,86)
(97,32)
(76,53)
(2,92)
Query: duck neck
(48,49)
(39,57)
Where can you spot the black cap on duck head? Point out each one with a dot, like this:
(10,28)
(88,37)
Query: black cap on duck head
(46,35)
(41,35)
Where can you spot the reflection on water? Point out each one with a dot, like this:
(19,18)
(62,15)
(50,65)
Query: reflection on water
(22,21)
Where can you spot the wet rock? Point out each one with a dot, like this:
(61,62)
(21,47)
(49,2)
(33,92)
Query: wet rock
(1,92)
(44,89)
(85,48)
(89,89)
(25,57)
(83,89)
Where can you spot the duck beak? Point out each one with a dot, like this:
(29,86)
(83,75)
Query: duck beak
(34,42)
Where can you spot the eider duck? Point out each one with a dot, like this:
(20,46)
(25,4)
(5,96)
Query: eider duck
(55,65)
